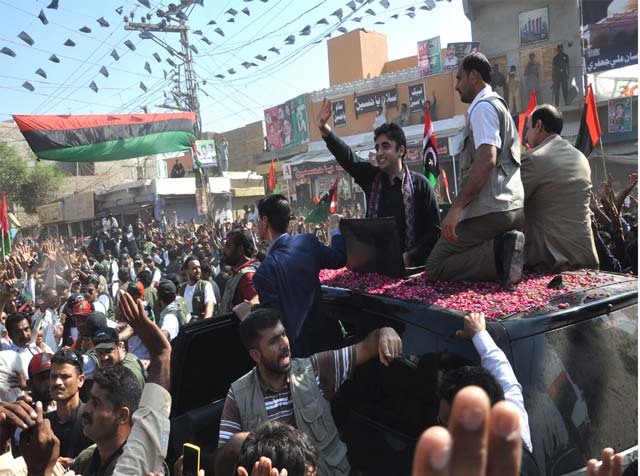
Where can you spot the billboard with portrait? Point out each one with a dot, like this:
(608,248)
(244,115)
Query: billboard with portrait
(457,51)
(207,154)
(610,34)
(287,124)
(429,57)
(620,115)
(534,25)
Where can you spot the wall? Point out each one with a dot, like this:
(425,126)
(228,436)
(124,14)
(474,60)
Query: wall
(495,25)
(448,104)
(355,55)
(402,63)
(245,143)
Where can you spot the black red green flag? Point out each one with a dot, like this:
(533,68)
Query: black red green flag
(96,138)
(327,204)
(589,132)
(430,166)
(5,232)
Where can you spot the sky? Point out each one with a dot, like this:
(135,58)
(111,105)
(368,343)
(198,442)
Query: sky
(226,103)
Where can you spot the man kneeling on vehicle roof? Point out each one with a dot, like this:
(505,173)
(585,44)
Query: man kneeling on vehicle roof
(293,391)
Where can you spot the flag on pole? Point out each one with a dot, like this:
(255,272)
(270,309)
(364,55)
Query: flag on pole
(430,167)
(327,204)
(272,178)
(522,121)
(589,132)
(4,227)
(445,182)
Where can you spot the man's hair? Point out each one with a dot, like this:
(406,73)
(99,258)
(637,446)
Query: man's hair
(123,275)
(278,211)
(13,320)
(173,255)
(70,357)
(144,277)
(550,117)
(243,239)
(189,259)
(123,389)
(256,321)
(393,132)
(478,62)
(285,446)
(456,379)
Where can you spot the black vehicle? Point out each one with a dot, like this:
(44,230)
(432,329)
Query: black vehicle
(578,367)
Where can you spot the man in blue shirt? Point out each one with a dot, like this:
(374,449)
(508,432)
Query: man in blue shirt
(287,279)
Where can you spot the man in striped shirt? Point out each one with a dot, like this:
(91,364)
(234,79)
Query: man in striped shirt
(276,389)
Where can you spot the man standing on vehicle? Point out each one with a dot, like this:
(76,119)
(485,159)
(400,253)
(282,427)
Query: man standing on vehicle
(239,253)
(293,391)
(287,279)
(196,292)
(480,239)
(391,189)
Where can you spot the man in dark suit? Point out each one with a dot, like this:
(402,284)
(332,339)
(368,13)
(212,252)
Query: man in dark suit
(288,280)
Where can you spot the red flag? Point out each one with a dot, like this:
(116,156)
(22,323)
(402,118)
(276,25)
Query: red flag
(5,236)
(316,199)
(272,177)
(333,208)
(446,185)
(589,132)
(522,120)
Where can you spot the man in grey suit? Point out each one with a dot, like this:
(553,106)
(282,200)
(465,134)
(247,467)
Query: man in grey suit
(557,183)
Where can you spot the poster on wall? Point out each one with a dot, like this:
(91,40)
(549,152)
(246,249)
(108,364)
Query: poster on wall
(416,98)
(287,124)
(457,51)
(206,150)
(534,26)
(201,202)
(429,57)
(610,34)
(339,113)
(620,115)
(371,102)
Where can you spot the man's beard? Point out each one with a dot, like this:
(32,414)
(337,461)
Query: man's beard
(273,367)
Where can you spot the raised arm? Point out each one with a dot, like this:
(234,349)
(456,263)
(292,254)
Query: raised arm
(384,343)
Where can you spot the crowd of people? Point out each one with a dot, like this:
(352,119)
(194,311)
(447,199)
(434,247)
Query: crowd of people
(88,324)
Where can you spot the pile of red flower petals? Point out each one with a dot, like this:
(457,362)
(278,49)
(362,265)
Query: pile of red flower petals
(493,299)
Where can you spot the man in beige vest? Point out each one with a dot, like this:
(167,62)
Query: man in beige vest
(293,391)
(480,240)
(557,182)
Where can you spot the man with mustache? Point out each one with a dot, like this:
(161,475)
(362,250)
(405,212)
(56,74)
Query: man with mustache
(66,378)
(293,391)
(107,419)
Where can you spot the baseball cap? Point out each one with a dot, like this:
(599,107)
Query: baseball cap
(39,363)
(166,289)
(96,320)
(136,289)
(105,338)
(81,308)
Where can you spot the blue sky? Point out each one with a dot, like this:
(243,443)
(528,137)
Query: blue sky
(225,103)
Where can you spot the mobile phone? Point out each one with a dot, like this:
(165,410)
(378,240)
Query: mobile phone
(191,459)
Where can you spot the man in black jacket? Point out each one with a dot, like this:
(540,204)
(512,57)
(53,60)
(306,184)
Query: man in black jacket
(390,188)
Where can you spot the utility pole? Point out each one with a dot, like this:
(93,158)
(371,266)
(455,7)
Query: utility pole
(175,14)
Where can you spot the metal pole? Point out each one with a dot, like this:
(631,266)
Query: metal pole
(77,177)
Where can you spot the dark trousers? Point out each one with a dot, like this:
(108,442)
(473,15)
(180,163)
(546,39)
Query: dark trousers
(564,83)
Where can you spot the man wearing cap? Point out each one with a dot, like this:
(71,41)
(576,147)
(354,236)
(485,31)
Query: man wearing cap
(80,312)
(65,382)
(38,383)
(171,316)
(108,350)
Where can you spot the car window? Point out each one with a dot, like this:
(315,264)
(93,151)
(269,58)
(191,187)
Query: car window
(580,387)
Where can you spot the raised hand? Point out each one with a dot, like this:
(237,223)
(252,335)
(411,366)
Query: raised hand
(473,323)
(39,446)
(323,116)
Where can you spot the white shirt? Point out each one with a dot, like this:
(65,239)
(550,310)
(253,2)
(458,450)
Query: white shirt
(10,370)
(209,296)
(48,321)
(169,322)
(484,120)
(99,306)
(494,360)
(157,275)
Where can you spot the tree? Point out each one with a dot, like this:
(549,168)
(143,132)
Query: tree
(27,187)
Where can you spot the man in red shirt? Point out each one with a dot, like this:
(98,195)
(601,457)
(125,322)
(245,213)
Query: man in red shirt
(239,293)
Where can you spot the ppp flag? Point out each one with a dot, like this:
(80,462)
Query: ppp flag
(272,178)
(589,132)
(4,227)
(327,204)
(430,167)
